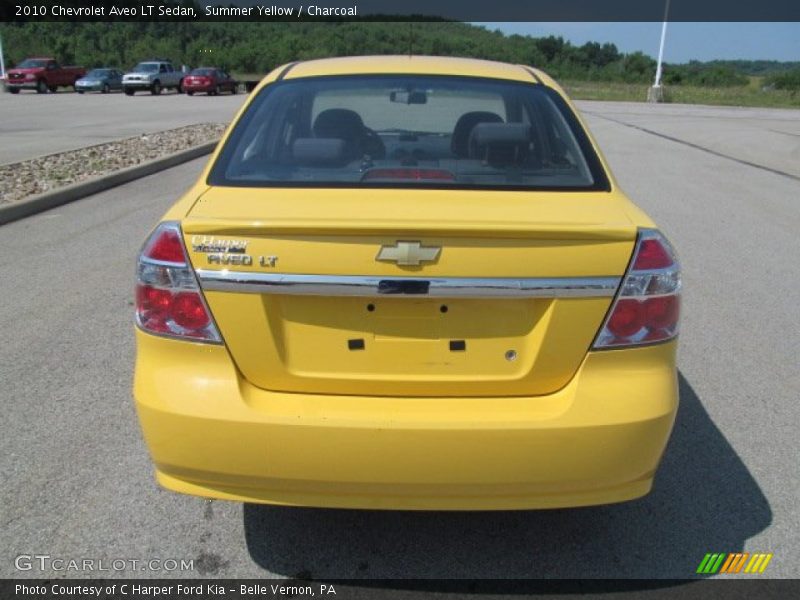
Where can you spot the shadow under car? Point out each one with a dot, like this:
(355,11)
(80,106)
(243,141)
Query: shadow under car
(704,500)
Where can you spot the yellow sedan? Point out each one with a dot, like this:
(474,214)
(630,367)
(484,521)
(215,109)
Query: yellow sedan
(407,283)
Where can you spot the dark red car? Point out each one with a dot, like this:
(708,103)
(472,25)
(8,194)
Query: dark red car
(210,80)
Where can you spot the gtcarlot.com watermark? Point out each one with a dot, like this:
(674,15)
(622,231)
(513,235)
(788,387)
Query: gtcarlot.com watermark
(48,563)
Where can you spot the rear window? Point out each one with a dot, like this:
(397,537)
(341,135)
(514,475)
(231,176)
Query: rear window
(32,63)
(146,67)
(202,72)
(420,131)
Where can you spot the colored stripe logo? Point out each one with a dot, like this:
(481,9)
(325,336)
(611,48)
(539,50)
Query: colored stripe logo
(734,562)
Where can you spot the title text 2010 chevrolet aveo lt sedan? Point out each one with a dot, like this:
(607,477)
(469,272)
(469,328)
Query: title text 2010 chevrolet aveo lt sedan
(407,283)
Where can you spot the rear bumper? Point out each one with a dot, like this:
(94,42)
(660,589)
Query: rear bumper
(197,87)
(598,440)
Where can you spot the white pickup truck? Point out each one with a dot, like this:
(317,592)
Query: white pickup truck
(152,76)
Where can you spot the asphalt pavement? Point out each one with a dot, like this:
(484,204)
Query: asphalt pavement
(32,125)
(76,481)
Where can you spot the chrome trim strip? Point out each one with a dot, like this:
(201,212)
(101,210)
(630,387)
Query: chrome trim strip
(417,287)
(162,263)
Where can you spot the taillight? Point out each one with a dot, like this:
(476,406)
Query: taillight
(168,299)
(647,307)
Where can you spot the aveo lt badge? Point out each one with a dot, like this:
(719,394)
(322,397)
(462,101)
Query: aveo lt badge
(228,252)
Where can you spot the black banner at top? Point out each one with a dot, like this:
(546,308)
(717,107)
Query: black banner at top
(422,10)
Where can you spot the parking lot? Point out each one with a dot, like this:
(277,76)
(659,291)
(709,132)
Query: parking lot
(723,183)
(32,124)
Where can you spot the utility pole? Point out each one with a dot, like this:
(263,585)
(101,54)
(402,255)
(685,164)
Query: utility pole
(2,63)
(656,93)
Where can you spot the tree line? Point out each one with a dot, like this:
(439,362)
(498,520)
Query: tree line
(257,47)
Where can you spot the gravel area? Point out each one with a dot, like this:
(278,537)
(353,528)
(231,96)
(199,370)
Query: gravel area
(26,178)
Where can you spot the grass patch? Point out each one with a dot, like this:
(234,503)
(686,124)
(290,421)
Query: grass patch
(751,94)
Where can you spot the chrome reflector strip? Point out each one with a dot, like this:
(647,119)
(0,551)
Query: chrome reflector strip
(441,287)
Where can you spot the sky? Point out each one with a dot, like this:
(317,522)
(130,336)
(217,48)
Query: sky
(684,42)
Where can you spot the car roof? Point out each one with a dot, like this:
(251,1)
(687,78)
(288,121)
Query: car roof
(417,65)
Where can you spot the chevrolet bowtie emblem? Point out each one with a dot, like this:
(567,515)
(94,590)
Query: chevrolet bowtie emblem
(408,253)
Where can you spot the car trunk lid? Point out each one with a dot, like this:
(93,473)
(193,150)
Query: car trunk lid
(311,294)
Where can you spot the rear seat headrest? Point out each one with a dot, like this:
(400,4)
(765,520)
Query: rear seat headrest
(500,143)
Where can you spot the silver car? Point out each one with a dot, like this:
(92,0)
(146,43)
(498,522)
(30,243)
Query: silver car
(103,80)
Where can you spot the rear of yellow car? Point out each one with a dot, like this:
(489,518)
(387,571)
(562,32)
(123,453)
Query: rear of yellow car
(407,284)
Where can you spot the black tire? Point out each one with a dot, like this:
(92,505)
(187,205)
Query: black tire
(190,93)
(14,90)
(217,91)
(41,87)
(179,89)
(106,88)
(53,89)
(155,89)
(234,89)
(128,91)
(80,91)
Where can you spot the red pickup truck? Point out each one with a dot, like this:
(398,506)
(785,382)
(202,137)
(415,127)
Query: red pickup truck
(41,74)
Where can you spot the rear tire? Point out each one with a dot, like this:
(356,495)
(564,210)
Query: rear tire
(41,87)
(106,88)
(53,89)
(14,90)
(80,91)
(217,90)
(179,89)
(234,89)
(190,93)
(155,89)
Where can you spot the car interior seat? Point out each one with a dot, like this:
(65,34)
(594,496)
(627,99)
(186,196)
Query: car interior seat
(459,142)
(347,125)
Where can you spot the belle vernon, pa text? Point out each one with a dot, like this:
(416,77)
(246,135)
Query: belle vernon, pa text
(208,590)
